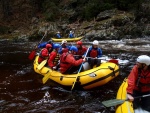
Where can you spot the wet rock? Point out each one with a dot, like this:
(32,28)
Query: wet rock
(105,15)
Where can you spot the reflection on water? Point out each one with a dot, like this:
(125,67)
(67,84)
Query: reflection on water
(21,90)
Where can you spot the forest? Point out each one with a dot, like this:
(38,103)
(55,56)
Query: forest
(16,13)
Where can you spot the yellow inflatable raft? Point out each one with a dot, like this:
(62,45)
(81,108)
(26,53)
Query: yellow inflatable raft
(67,39)
(86,80)
(127,106)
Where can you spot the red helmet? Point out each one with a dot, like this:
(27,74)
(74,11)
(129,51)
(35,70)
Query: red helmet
(48,46)
(79,43)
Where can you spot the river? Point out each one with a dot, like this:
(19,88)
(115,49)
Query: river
(22,92)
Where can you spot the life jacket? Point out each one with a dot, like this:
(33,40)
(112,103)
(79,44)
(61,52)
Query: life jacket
(143,81)
(63,64)
(41,57)
(40,54)
(58,35)
(71,35)
(55,61)
(65,49)
(81,51)
(93,53)
(63,58)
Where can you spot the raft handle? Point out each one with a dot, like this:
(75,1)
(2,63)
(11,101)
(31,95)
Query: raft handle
(112,70)
(61,78)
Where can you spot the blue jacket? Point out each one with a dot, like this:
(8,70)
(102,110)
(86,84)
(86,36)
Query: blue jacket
(43,45)
(71,35)
(60,49)
(58,35)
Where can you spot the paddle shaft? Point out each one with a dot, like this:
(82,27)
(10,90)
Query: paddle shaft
(43,37)
(142,96)
(79,70)
(32,54)
(82,62)
(108,60)
(92,57)
(114,102)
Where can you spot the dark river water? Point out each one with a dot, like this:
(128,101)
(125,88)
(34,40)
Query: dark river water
(21,91)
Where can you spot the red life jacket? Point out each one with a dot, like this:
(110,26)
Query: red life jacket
(65,50)
(53,58)
(143,81)
(63,64)
(43,55)
(67,61)
(93,53)
(81,50)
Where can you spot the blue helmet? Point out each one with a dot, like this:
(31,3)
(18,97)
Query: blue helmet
(74,48)
(56,46)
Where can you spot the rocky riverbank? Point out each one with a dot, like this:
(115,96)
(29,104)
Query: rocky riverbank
(108,25)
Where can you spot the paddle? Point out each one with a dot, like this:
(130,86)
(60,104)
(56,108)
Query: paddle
(109,60)
(79,71)
(32,53)
(39,67)
(46,77)
(114,102)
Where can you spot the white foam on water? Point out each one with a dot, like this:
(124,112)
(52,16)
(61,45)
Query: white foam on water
(139,110)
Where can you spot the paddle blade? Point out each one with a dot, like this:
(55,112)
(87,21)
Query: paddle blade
(41,65)
(32,55)
(114,102)
(45,78)
(74,83)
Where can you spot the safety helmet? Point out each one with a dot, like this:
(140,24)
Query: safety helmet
(70,31)
(95,42)
(144,59)
(56,46)
(50,42)
(79,43)
(74,48)
(58,32)
(48,46)
(64,41)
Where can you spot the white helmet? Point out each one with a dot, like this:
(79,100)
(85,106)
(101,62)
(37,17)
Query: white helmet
(64,41)
(95,42)
(144,59)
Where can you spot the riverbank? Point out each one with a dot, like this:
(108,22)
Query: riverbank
(108,25)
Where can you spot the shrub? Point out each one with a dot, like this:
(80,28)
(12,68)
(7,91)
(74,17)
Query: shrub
(3,29)
(51,11)
(93,9)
